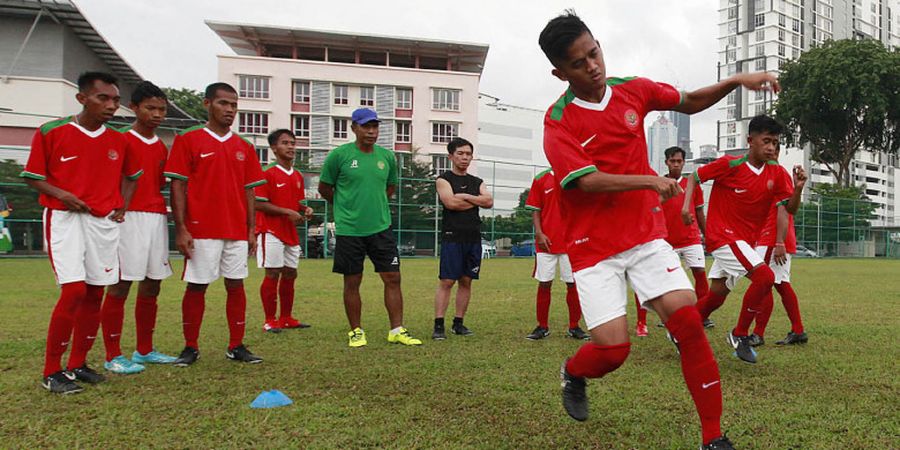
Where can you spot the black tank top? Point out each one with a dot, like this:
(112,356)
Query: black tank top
(462,226)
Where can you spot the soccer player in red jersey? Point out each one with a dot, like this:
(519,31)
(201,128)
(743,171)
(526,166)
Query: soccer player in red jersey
(550,253)
(279,209)
(745,190)
(81,167)
(594,140)
(213,173)
(144,244)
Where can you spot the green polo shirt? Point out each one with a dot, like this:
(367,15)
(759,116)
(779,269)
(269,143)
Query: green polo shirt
(360,182)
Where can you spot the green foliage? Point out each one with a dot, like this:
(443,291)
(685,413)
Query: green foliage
(844,214)
(417,196)
(22,199)
(842,97)
(516,226)
(189,100)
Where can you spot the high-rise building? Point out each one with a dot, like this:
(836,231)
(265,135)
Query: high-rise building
(662,135)
(682,122)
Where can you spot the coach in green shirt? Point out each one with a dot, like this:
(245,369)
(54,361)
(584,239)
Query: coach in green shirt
(358,178)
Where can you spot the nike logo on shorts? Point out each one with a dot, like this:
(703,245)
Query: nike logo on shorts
(204,155)
(708,385)
(108,269)
(670,270)
(64,159)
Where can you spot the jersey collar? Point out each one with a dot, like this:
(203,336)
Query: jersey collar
(754,169)
(604,102)
(150,141)
(93,134)
(289,172)
(218,138)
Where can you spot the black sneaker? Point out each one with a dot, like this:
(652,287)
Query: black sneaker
(673,341)
(187,357)
(578,333)
(708,323)
(793,338)
(538,333)
(742,348)
(439,334)
(461,330)
(85,374)
(755,340)
(241,354)
(721,443)
(59,383)
(574,397)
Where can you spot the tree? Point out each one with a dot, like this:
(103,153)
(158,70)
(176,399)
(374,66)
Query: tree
(517,226)
(417,196)
(841,98)
(22,199)
(189,100)
(835,214)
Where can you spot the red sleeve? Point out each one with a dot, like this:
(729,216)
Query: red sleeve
(253,174)
(535,200)
(302,185)
(165,156)
(36,167)
(179,164)
(262,191)
(784,189)
(713,170)
(660,96)
(698,195)
(566,156)
(133,166)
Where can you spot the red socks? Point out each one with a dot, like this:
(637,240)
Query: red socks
(594,361)
(192,306)
(145,322)
(286,295)
(761,281)
(87,322)
(709,303)
(641,312)
(235,311)
(791,306)
(701,285)
(268,292)
(574,305)
(763,315)
(543,306)
(61,324)
(698,365)
(112,314)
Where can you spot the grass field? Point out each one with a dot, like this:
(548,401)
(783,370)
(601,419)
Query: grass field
(491,390)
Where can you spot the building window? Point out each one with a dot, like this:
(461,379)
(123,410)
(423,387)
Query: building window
(732,41)
(760,35)
(759,5)
(443,132)
(760,65)
(796,25)
(760,109)
(760,50)
(253,123)
(404,98)
(782,20)
(732,128)
(367,96)
(253,86)
(760,95)
(759,20)
(732,12)
(729,114)
(780,49)
(781,35)
(445,99)
(301,92)
(440,163)
(732,27)
(340,129)
(404,132)
(795,53)
(730,55)
(731,142)
(301,126)
(732,97)
(262,153)
(340,94)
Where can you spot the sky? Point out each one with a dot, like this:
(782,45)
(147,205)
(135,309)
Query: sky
(167,41)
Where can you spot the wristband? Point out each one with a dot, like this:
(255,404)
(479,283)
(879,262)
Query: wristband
(779,244)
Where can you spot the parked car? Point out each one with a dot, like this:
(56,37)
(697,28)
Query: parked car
(803,252)
(407,250)
(524,248)
(488,250)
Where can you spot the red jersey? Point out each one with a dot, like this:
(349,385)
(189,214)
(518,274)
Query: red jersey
(741,198)
(582,137)
(147,195)
(285,189)
(768,235)
(681,235)
(218,170)
(544,197)
(88,164)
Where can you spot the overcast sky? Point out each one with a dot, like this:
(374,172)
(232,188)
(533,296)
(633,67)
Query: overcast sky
(167,42)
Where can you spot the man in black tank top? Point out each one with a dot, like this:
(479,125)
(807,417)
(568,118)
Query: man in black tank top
(461,195)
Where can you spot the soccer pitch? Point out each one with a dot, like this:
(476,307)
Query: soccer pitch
(491,390)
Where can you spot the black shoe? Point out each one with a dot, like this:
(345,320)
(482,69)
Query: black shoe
(461,330)
(673,341)
(660,325)
(574,397)
(241,354)
(755,340)
(578,333)
(793,338)
(721,443)
(187,357)
(742,348)
(439,334)
(59,383)
(85,374)
(708,323)
(538,333)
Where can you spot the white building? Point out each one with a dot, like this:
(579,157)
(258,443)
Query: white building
(661,135)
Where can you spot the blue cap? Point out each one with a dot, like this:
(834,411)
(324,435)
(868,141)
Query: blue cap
(363,116)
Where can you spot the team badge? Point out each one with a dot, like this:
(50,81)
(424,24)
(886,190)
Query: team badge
(381,165)
(770,185)
(354,164)
(113,155)
(240,156)
(631,118)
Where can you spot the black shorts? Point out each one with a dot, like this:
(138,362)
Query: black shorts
(350,253)
(459,259)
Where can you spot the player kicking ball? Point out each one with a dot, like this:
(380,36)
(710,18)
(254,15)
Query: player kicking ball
(594,140)
(745,189)
(279,209)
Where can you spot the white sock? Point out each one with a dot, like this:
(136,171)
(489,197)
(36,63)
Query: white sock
(397,330)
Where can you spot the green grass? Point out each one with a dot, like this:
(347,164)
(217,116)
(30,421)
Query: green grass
(491,390)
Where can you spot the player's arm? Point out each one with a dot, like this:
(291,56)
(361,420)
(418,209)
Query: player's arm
(483,199)
(598,181)
(448,199)
(686,215)
(250,193)
(72,202)
(391,188)
(540,239)
(184,242)
(268,208)
(701,99)
(781,226)
(800,178)
(128,187)
(326,191)
(701,218)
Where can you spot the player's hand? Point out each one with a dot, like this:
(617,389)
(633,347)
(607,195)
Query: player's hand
(308,214)
(251,243)
(542,241)
(184,242)
(665,187)
(800,177)
(294,217)
(759,81)
(118,215)
(779,254)
(73,203)
(687,217)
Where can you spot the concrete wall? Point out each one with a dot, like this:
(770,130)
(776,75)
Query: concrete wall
(41,57)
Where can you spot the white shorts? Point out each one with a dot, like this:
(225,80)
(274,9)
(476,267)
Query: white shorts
(693,256)
(545,267)
(144,246)
(732,262)
(271,253)
(81,247)
(653,269)
(782,271)
(213,258)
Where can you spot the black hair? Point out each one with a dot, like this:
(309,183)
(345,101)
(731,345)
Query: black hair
(145,90)
(86,80)
(559,33)
(273,136)
(764,124)
(458,142)
(213,89)
(671,151)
